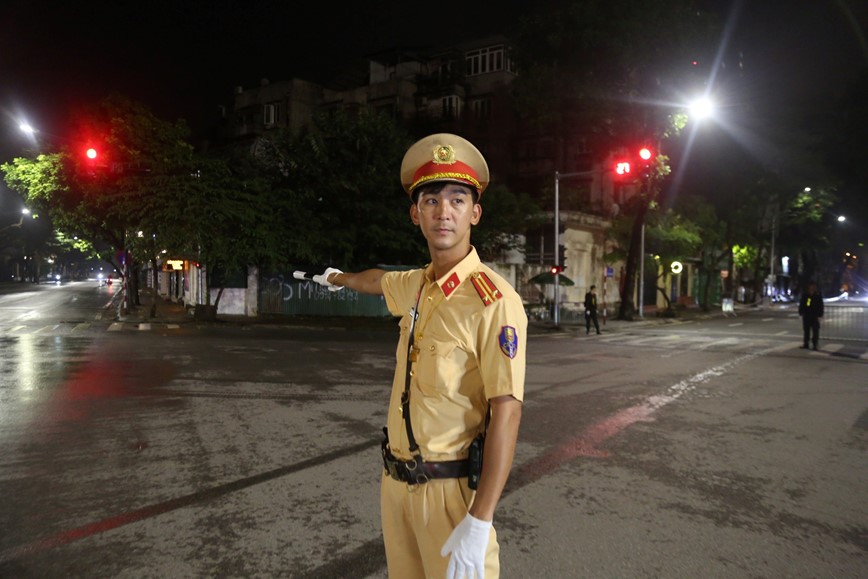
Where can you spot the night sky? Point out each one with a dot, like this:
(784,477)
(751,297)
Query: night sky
(183,58)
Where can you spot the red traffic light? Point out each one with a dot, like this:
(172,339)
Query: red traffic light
(622,168)
(556,269)
(91,153)
(645,154)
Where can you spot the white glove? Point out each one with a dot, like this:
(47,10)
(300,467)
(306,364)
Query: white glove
(323,279)
(467,543)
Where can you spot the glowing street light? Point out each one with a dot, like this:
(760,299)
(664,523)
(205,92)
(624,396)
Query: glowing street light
(701,108)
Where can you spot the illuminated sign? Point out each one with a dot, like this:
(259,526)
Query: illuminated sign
(173,265)
(676,267)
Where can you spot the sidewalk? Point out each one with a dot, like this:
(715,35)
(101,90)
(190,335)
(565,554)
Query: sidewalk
(166,311)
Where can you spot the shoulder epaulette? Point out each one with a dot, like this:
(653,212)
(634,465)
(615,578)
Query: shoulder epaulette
(487,291)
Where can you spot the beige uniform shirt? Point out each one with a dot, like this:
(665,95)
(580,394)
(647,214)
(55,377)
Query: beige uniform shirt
(471,333)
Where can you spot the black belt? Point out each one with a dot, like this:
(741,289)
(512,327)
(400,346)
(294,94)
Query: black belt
(415,471)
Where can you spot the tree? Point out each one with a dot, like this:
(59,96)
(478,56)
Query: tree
(506,216)
(148,191)
(337,183)
(713,251)
(671,237)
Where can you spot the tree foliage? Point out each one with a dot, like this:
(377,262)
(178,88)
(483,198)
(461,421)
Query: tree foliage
(349,208)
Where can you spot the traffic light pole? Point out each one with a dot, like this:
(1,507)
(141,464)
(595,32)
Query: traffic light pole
(556,251)
(556,278)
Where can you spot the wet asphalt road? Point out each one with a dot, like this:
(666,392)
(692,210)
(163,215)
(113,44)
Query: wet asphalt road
(253,451)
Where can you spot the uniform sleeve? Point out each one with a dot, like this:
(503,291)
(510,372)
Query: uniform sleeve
(399,291)
(502,348)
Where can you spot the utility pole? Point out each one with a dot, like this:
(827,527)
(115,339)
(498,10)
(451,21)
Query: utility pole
(557,245)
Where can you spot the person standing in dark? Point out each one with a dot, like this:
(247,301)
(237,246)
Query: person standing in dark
(591,310)
(811,310)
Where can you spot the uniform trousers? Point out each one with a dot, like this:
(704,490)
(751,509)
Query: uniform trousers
(417,520)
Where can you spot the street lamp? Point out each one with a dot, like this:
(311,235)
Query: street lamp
(24,212)
(701,108)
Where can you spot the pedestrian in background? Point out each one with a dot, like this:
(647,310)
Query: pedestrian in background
(459,374)
(591,310)
(811,310)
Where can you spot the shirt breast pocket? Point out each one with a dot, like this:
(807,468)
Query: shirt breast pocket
(441,367)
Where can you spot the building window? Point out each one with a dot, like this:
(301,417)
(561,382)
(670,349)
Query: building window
(271,114)
(481,109)
(451,107)
(444,71)
(490,59)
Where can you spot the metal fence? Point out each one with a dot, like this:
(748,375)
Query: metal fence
(845,321)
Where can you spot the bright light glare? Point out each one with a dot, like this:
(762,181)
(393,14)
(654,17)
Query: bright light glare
(841,218)
(645,153)
(702,108)
(26,128)
(91,153)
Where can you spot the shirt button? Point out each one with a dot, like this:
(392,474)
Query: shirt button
(412,372)
(432,348)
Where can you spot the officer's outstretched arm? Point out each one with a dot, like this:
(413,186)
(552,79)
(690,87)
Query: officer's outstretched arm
(366,282)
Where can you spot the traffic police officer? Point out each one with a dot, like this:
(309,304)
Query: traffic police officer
(459,374)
